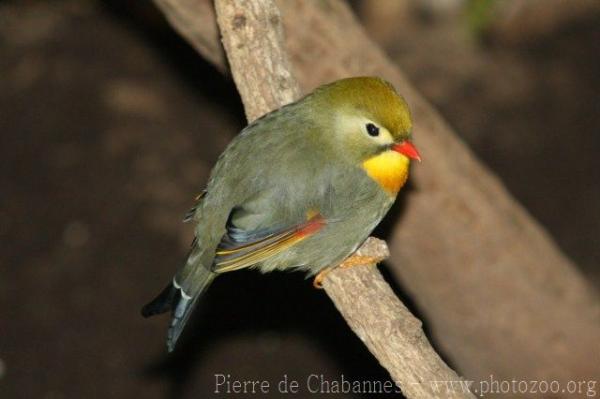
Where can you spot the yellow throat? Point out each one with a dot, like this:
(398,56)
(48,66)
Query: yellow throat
(389,169)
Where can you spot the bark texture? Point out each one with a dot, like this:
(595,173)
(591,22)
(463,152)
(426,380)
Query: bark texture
(253,40)
(499,295)
(392,334)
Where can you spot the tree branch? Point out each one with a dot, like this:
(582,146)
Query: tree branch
(253,40)
(499,295)
(392,334)
(195,21)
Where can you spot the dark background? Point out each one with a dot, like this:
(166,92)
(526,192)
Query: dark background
(109,125)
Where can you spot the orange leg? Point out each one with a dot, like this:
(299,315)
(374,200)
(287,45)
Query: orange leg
(352,260)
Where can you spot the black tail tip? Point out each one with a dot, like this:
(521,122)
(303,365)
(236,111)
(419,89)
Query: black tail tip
(164,302)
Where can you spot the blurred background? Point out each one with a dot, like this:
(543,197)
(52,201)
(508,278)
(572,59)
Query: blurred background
(110,124)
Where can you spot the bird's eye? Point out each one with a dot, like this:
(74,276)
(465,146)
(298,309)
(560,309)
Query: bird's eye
(372,130)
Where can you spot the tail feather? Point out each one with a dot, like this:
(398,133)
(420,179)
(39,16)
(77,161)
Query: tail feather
(181,296)
(185,305)
(163,303)
(181,314)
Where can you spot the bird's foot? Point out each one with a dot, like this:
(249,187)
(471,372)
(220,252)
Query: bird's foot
(357,260)
(352,260)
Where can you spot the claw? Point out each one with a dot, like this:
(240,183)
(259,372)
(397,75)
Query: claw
(319,278)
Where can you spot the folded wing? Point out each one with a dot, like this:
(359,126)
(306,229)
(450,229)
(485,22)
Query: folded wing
(240,249)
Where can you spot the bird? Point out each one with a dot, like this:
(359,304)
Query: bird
(300,188)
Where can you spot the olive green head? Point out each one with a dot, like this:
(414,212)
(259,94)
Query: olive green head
(365,115)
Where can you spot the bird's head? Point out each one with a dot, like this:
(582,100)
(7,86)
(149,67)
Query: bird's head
(371,126)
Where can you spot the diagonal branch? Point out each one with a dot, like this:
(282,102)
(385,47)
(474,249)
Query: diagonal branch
(253,39)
